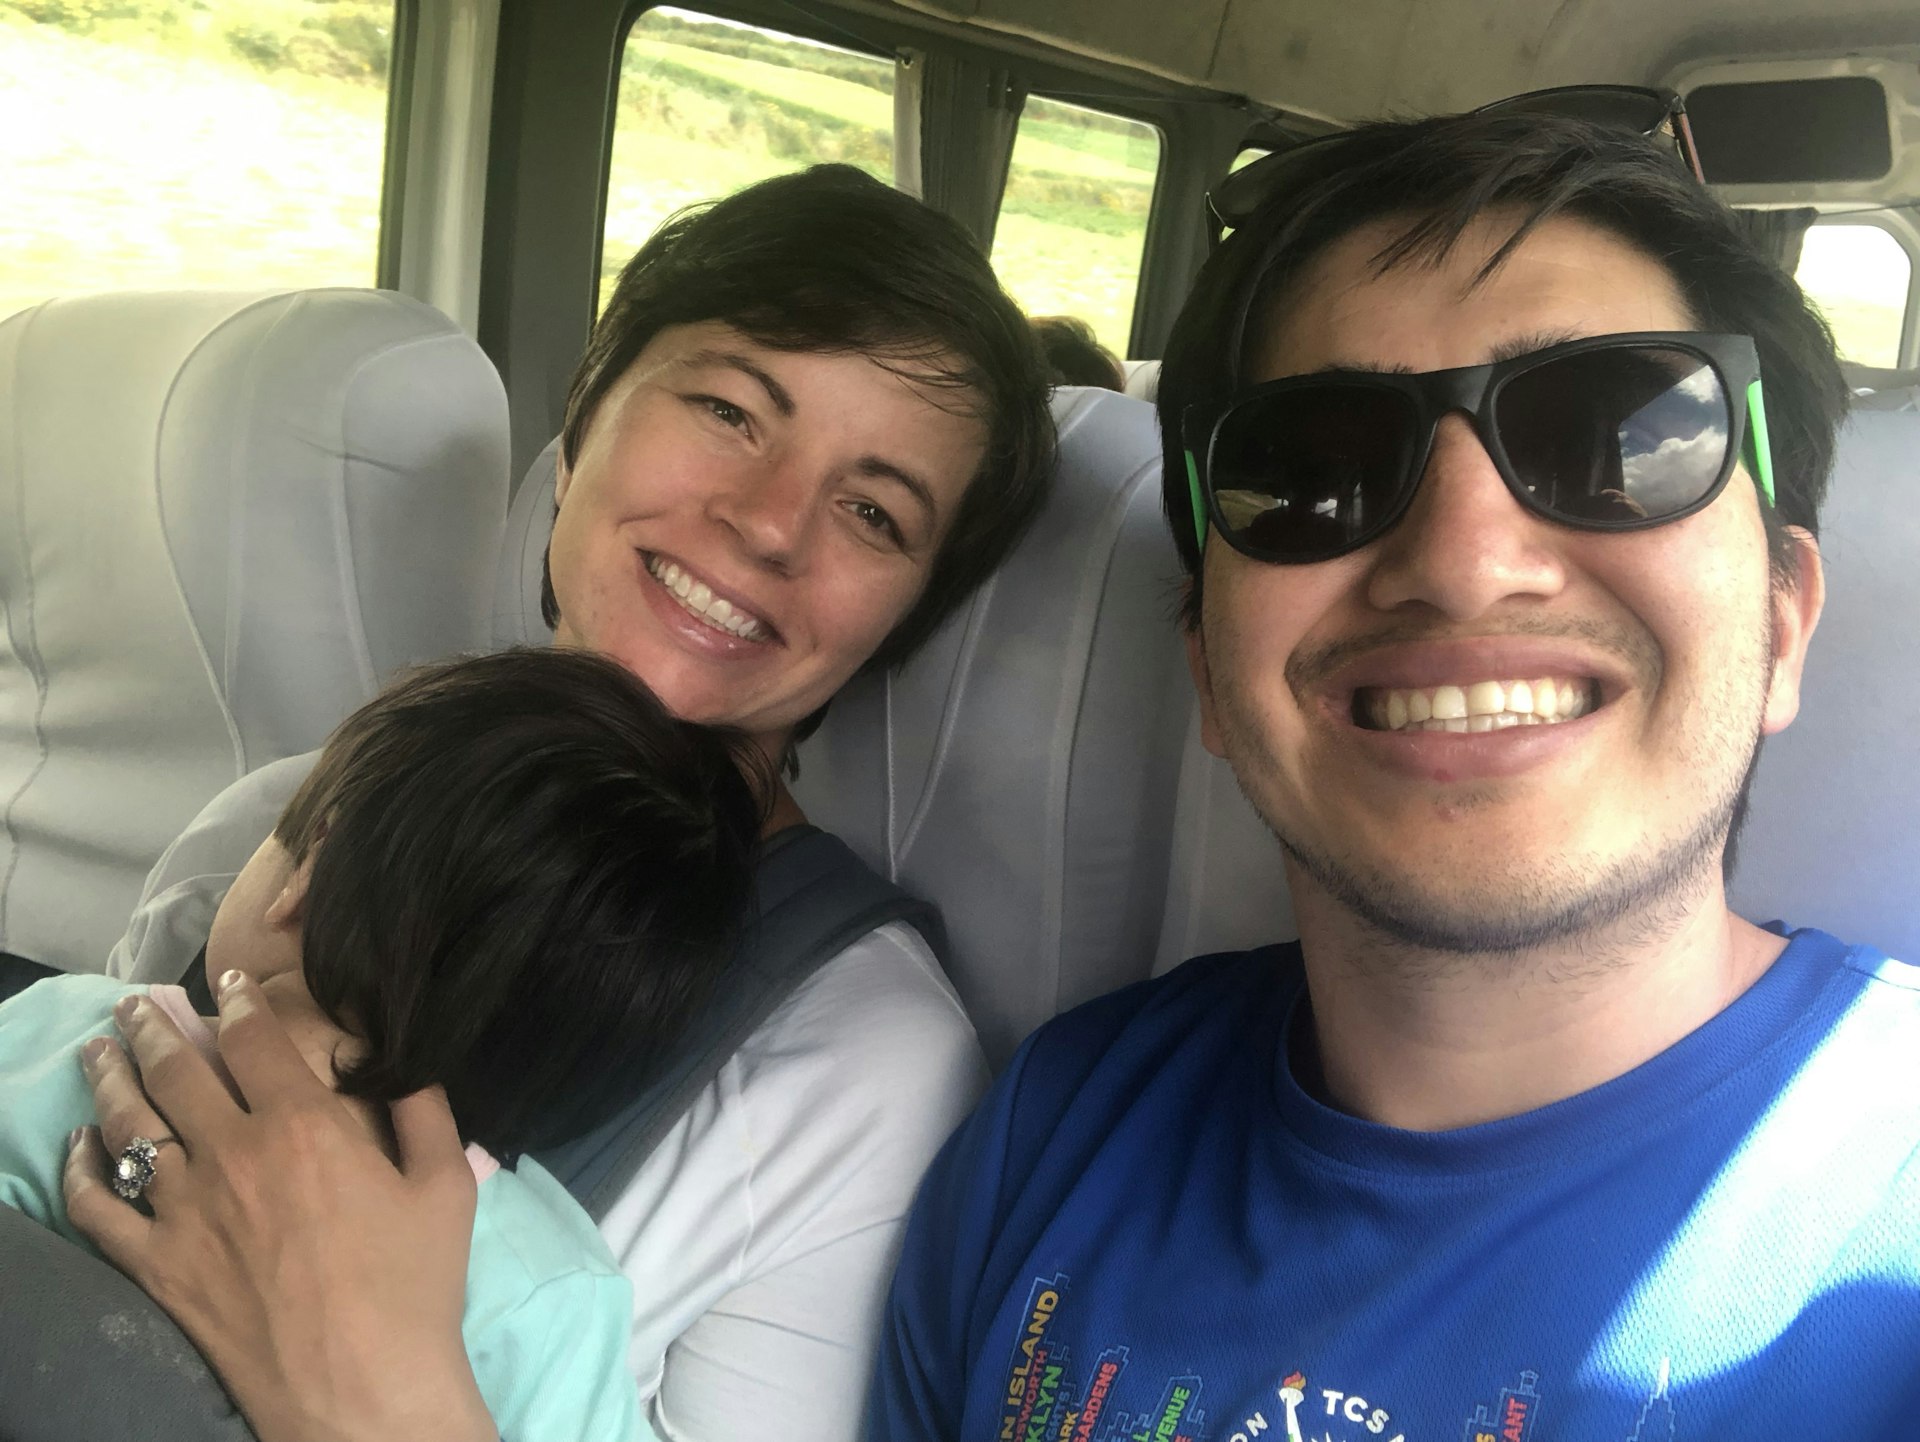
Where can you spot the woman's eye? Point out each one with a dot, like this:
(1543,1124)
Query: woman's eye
(726,412)
(875,519)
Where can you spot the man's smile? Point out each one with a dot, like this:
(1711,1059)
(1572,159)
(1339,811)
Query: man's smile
(1476,706)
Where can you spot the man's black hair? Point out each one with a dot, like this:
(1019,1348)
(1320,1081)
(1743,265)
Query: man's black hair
(526,875)
(1074,354)
(831,260)
(1441,174)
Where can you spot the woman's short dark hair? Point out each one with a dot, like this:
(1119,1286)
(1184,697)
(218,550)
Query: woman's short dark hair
(1441,174)
(1074,354)
(831,260)
(527,876)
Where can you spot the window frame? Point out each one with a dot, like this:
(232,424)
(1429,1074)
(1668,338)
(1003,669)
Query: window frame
(1140,114)
(553,101)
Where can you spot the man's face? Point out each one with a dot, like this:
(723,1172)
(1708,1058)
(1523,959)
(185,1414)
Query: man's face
(744,526)
(1670,644)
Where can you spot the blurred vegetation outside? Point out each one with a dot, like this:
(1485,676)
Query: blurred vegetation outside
(149,143)
(1073,221)
(241,143)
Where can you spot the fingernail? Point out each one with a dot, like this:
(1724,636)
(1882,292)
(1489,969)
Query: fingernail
(94,1052)
(73,1137)
(230,979)
(125,1009)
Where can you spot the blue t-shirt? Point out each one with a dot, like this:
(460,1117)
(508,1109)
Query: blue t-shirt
(1149,1231)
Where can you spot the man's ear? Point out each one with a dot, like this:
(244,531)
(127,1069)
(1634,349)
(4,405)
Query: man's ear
(1797,603)
(1197,667)
(289,908)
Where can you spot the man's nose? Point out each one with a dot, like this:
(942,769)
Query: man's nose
(772,509)
(1465,544)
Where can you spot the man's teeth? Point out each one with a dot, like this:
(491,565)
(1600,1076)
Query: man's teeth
(698,598)
(1483,706)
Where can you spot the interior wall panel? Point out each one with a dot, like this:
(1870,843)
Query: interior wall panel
(1351,59)
(1332,61)
(1174,39)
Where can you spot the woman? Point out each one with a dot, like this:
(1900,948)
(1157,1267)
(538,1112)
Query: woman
(808,424)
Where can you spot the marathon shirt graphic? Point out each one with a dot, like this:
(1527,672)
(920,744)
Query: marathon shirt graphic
(1049,1398)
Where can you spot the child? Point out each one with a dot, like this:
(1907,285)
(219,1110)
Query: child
(512,876)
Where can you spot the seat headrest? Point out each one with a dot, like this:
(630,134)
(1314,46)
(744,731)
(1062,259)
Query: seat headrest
(236,515)
(523,553)
(1143,379)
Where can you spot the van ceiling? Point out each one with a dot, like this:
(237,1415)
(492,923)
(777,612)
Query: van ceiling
(1349,60)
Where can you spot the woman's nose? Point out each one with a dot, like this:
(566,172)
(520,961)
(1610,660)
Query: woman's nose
(771,509)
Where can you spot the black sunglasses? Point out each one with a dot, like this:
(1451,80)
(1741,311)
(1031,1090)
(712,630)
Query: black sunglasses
(1648,112)
(1610,433)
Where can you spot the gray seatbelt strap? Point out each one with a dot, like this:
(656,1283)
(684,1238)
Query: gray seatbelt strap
(814,898)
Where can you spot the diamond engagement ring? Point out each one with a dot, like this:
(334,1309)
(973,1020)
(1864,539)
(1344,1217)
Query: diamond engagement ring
(133,1173)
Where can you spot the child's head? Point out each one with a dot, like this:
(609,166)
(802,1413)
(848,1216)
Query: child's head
(512,875)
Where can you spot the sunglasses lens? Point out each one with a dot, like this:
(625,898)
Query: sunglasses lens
(1616,436)
(1304,474)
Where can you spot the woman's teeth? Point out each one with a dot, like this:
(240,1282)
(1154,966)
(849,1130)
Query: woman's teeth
(698,598)
(1483,706)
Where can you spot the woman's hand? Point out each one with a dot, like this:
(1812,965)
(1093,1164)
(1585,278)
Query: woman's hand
(323,1283)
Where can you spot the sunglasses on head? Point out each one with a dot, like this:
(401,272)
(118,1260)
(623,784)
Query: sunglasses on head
(1640,110)
(1610,433)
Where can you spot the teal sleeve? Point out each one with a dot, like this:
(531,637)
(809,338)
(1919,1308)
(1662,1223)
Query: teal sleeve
(43,1096)
(556,1365)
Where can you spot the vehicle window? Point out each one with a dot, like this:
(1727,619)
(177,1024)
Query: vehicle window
(1073,220)
(1859,276)
(708,106)
(162,143)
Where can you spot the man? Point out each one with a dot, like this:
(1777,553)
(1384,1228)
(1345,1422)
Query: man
(1493,592)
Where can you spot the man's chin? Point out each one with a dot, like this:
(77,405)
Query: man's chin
(1509,907)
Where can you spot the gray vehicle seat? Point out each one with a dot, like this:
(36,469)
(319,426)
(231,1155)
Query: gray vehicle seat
(228,517)
(84,1354)
(1832,839)
(1019,772)
(1883,390)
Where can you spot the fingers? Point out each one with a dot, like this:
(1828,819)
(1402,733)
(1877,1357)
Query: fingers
(121,1232)
(178,1083)
(118,1100)
(430,1146)
(265,1064)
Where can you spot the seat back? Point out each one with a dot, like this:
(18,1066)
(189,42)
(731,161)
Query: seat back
(229,518)
(1020,770)
(1831,838)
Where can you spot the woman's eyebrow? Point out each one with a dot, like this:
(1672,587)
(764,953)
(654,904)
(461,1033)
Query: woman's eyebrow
(781,397)
(917,488)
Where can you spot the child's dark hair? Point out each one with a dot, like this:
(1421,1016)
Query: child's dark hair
(528,873)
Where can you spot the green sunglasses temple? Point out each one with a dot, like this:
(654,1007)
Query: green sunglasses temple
(1758,456)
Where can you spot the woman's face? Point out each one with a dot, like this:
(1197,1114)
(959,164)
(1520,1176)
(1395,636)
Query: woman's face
(743,527)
